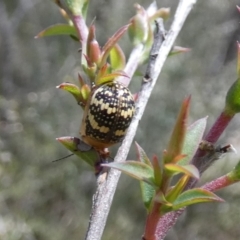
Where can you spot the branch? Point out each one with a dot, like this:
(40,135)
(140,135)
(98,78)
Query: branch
(81,28)
(219,183)
(106,188)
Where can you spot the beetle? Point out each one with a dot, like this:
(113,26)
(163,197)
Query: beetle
(107,115)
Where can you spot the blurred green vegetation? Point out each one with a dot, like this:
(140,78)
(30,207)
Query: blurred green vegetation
(41,200)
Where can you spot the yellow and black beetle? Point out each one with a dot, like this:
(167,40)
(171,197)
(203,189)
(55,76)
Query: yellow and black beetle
(107,116)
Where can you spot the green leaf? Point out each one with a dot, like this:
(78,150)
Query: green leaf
(234,175)
(101,73)
(175,191)
(189,170)
(179,157)
(148,192)
(77,7)
(111,43)
(139,27)
(142,156)
(177,138)
(58,29)
(147,47)
(158,171)
(110,77)
(238,59)
(233,99)
(196,195)
(135,169)
(161,198)
(85,92)
(193,137)
(85,8)
(117,58)
(73,89)
(81,149)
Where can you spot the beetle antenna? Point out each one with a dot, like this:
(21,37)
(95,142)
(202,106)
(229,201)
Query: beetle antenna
(63,158)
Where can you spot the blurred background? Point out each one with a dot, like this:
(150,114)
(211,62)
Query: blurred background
(41,200)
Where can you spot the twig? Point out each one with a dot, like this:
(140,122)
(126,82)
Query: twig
(159,37)
(166,222)
(219,183)
(81,27)
(106,189)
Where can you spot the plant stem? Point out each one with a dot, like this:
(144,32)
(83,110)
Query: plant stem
(82,30)
(81,27)
(213,135)
(106,189)
(218,127)
(152,222)
(166,222)
(219,183)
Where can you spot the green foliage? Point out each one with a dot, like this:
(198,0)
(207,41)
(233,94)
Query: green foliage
(142,156)
(190,197)
(73,89)
(234,175)
(148,190)
(189,170)
(111,43)
(233,95)
(117,58)
(175,191)
(78,7)
(58,29)
(139,29)
(193,137)
(80,94)
(158,170)
(176,141)
(160,198)
(233,99)
(138,170)
(109,77)
(81,149)
(193,196)
(238,57)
